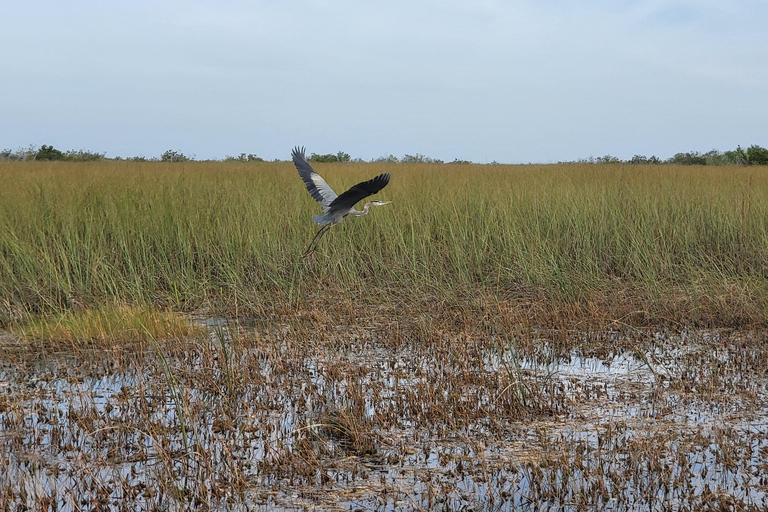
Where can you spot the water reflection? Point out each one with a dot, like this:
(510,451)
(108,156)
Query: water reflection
(280,424)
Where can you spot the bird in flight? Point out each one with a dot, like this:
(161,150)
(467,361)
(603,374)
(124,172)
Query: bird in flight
(335,207)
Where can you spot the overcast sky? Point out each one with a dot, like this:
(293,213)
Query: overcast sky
(506,81)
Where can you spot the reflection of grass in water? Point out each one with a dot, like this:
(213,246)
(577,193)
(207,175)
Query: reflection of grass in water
(628,242)
(105,326)
(346,414)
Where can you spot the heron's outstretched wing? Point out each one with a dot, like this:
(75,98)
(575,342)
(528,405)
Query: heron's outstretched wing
(362,190)
(316,185)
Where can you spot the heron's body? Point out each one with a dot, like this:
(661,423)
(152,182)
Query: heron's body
(335,207)
(327,218)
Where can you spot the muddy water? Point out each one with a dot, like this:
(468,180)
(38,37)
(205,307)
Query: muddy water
(276,419)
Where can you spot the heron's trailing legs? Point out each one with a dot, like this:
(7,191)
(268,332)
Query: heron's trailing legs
(314,241)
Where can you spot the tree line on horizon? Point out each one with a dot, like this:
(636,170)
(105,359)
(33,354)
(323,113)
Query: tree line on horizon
(753,155)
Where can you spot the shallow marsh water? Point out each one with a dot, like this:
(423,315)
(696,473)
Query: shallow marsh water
(266,416)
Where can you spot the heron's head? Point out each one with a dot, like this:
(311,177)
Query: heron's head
(379,203)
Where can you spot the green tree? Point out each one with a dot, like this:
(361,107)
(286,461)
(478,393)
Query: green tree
(691,158)
(735,157)
(757,155)
(608,159)
(326,158)
(715,157)
(420,159)
(644,160)
(341,156)
(173,156)
(250,157)
(49,153)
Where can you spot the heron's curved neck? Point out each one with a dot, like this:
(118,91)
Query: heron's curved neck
(360,213)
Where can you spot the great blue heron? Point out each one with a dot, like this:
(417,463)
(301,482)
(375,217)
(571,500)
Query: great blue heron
(335,208)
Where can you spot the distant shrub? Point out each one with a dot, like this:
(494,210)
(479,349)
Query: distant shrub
(49,153)
(608,159)
(323,158)
(83,156)
(419,159)
(735,157)
(341,156)
(644,160)
(756,155)
(691,158)
(250,157)
(20,154)
(715,157)
(173,156)
(390,159)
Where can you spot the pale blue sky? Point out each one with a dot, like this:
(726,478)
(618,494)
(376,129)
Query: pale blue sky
(514,81)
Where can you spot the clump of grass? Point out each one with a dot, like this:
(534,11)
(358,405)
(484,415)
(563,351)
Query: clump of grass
(113,324)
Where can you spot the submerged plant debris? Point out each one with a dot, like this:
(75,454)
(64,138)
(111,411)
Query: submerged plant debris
(307,415)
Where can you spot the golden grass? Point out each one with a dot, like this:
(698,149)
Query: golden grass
(105,327)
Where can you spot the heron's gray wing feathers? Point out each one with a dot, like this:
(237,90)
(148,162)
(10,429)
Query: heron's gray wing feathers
(316,185)
(362,190)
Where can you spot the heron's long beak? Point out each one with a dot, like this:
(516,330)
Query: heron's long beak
(387,202)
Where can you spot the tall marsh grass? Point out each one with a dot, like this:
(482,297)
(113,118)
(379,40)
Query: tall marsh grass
(675,242)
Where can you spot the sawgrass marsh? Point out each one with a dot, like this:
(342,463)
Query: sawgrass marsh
(636,244)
